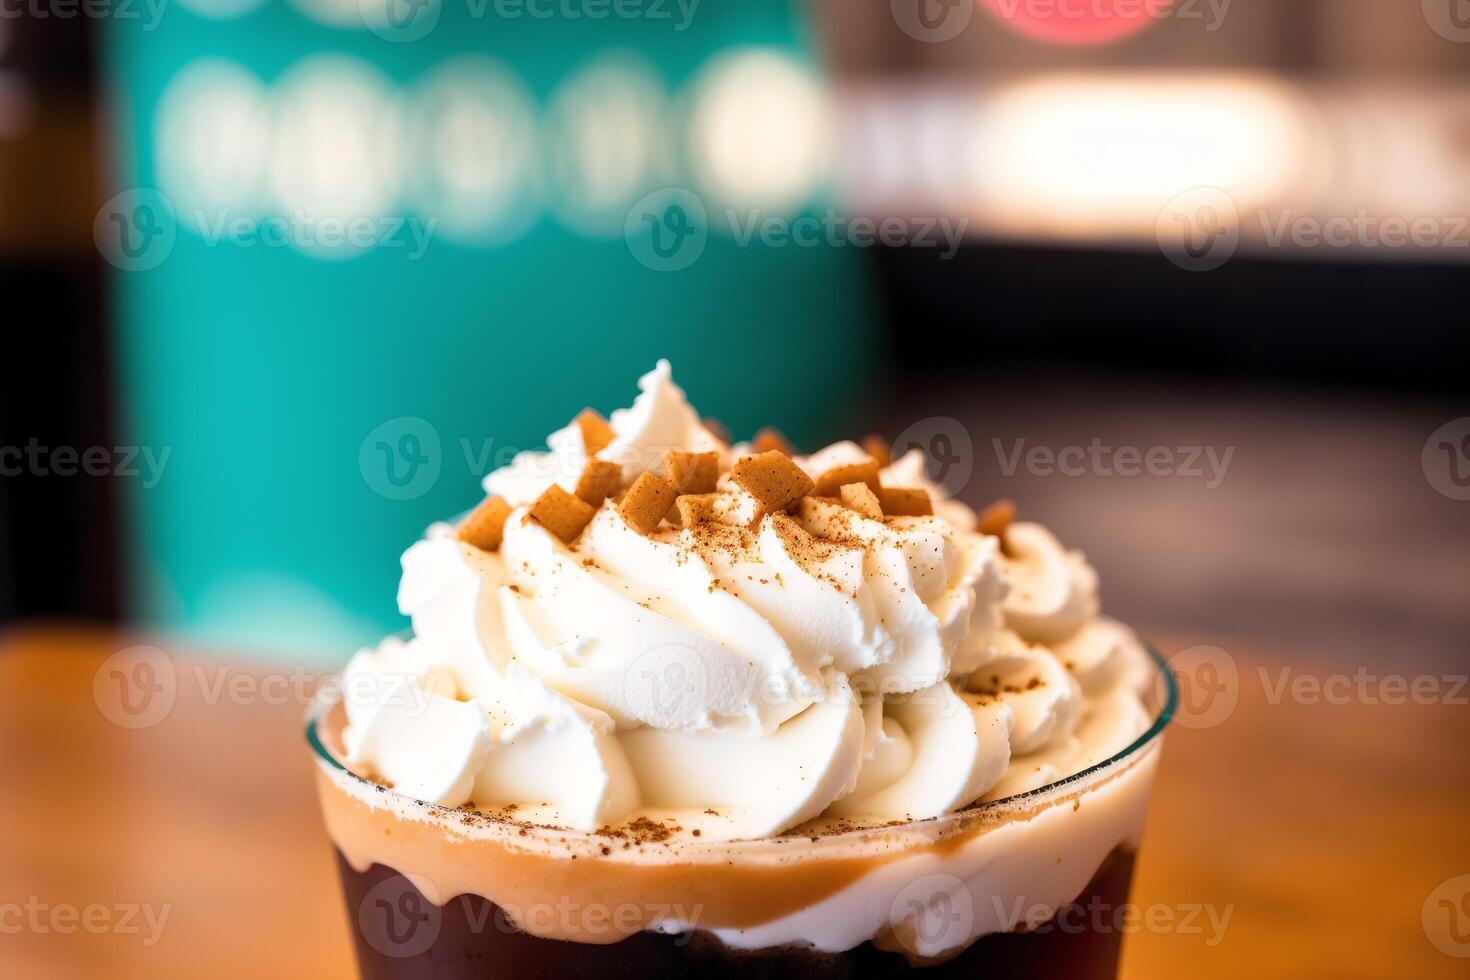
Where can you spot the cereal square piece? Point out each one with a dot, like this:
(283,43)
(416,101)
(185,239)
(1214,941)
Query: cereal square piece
(563,514)
(485,527)
(596,433)
(770,439)
(772,479)
(690,473)
(861,498)
(877,447)
(833,480)
(646,502)
(906,502)
(996,518)
(696,508)
(599,480)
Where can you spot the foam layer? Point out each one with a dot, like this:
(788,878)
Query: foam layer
(923,888)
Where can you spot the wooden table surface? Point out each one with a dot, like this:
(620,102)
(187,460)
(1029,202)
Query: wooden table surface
(1293,837)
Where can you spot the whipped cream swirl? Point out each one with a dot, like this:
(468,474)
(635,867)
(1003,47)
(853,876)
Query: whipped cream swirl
(741,677)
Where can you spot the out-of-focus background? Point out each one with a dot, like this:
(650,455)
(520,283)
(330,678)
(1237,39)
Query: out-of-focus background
(256,253)
(283,279)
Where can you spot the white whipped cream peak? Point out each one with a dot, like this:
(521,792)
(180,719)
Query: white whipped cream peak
(740,680)
(660,418)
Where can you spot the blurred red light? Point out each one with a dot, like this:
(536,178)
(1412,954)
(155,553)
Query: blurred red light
(1078,22)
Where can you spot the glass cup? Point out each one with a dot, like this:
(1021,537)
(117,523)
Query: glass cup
(1028,886)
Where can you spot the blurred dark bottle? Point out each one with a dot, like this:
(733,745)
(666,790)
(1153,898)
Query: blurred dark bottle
(56,526)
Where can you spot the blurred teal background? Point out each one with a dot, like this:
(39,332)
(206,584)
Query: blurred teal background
(284,376)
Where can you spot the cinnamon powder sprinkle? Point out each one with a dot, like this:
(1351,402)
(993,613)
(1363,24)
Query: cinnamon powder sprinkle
(640,830)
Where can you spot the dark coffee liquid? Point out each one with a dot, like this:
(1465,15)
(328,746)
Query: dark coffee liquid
(400,935)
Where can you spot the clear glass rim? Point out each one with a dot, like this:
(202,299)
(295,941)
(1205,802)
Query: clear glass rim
(1170,701)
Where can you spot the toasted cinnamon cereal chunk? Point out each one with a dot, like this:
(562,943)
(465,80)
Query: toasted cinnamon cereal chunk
(772,479)
(997,517)
(877,447)
(861,498)
(562,514)
(690,472)
(906,502)
(696,508)
(485,527)
(770,439)
(646,502)
(599,480)
(596,433)
(833,480)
